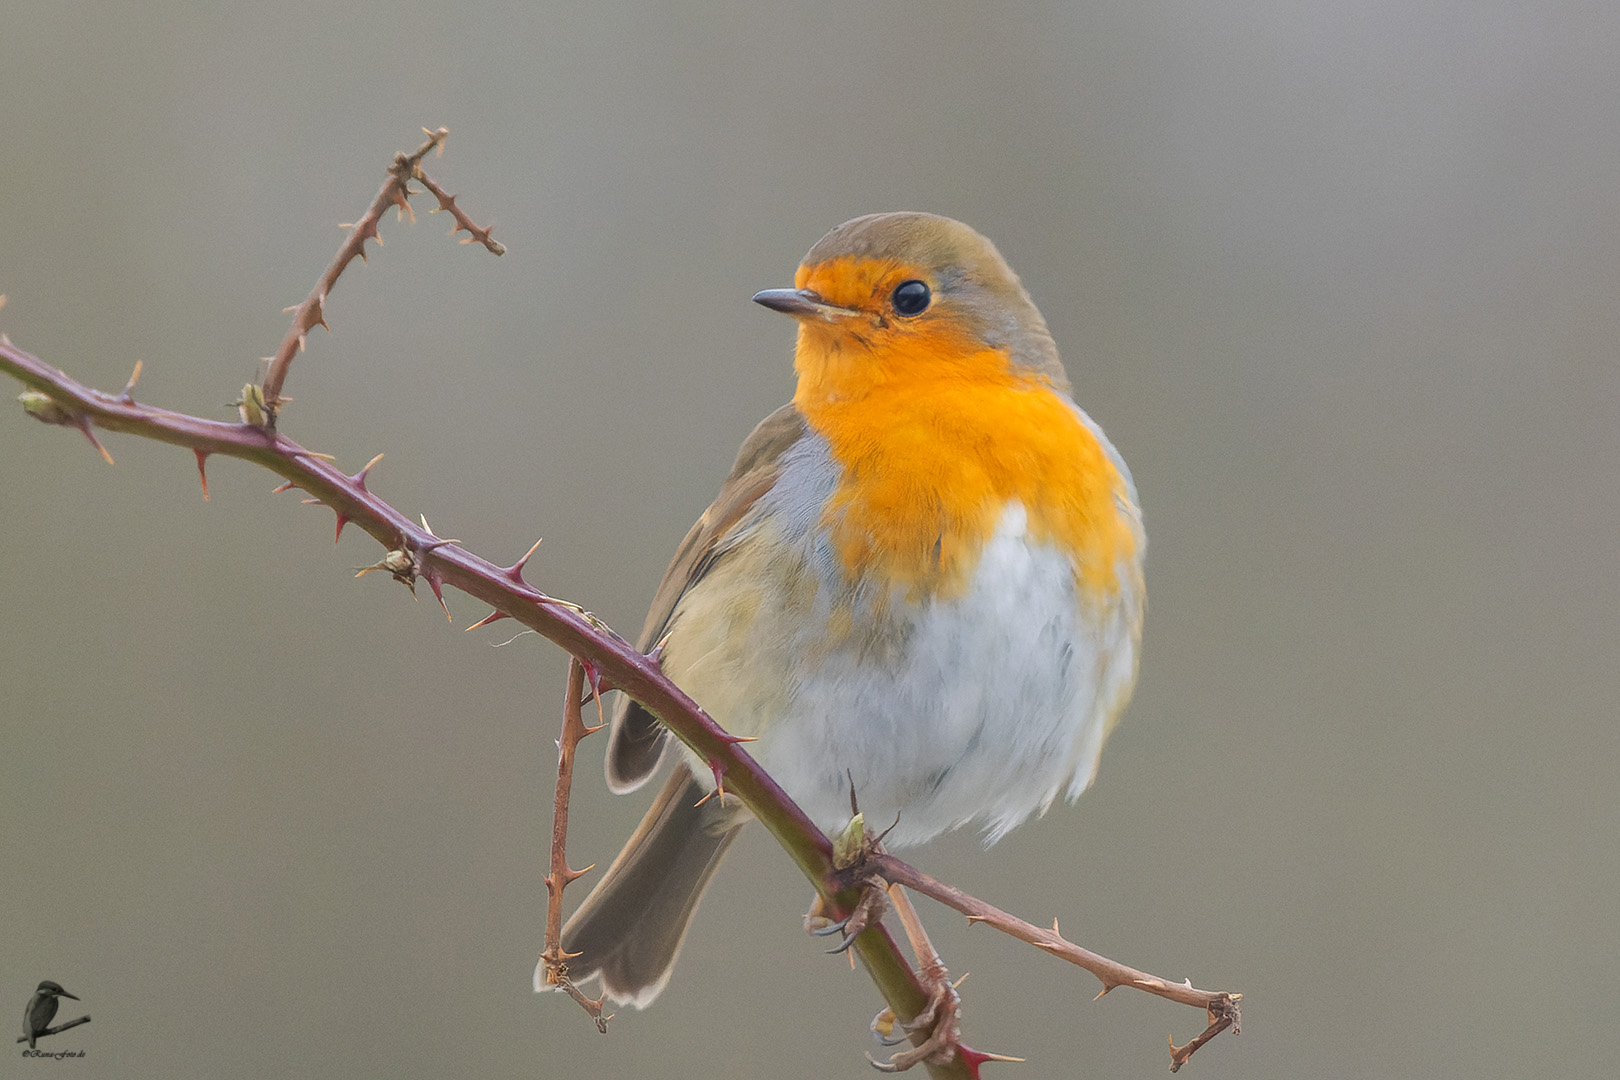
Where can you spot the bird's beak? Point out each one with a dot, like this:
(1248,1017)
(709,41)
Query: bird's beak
(64,993)
(802,303)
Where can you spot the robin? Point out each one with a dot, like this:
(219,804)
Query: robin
(923,577)
(40,1010)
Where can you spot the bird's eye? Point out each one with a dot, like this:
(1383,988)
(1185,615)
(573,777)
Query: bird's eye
(911,297)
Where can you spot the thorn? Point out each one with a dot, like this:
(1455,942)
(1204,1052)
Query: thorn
(403,205)
(1106,987)
(593,680)
(435,582)
(733,740)
(515,571)
(312,453)
(1055,929)
(878,839)
(401,563)
(719,772)
(561,955)
(310,502)
(396,562)
(974,920)
(342,520)
(494,616)
(359,478)
(202,456)
(129,387)
(285,485)
(974,1058)
(84,426)
(438,541)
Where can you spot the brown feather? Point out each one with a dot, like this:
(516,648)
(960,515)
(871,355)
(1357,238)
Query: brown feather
(636,742)
(629,930)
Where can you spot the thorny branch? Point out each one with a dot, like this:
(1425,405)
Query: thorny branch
(395,192)
(415,553)
(1222,1007)
(561,876)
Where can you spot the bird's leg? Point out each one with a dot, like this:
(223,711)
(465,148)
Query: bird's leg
(852,853)
(940,1017)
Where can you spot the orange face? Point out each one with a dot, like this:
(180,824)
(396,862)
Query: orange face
(881,343)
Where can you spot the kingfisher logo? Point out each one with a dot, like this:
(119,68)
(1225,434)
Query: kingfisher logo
(37,1017)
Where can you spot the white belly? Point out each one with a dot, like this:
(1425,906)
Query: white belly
(980,707)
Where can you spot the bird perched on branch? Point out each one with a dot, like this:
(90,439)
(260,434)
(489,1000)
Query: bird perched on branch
(41,1009)
(923,576)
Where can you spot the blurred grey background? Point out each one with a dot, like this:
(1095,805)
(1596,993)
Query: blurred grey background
(1339,279)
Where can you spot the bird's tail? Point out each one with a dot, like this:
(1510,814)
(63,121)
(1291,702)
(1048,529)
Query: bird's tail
(630,928)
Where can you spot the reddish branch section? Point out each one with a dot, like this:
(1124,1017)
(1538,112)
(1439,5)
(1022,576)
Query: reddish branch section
(415,553)
(396,192)
(609,660)
(1221,1006)
(560,877)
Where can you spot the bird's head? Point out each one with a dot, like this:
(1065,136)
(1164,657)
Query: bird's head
(898,297)
(51,989)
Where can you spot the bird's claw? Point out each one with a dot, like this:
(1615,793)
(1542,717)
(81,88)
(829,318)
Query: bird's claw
(868,910)
(939,1018)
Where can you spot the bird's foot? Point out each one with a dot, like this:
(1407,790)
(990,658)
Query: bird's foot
(868,910)
(940,1018)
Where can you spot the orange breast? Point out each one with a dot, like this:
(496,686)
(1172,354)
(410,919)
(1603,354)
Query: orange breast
(935,437)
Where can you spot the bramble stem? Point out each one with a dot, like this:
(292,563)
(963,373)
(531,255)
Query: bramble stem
(1221,1006)
(560,877)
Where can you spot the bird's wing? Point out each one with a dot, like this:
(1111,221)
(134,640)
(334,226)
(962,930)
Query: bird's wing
(637,740)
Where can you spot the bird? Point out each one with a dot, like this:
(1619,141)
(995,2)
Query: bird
(923,579)
(41,1008)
